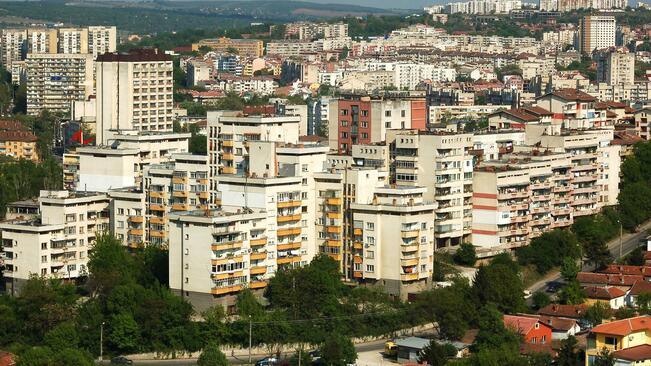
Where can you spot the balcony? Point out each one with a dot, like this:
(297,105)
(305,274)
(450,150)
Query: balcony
(258,270)
(592,189)
(406,234)
(228,259)
(409,262)
(563,188)
(409,277)
(226,246)
(226,290)
(204,195)
(135,244)
(585,178)
(227,156)
(334,201)
(334,256)
(516,194)
(288,204)
(257,284)
(156,233)
(288,218)
(357,231)
(135,232)
(156,207)
(179,180)
(289,231)
(334,215)
(358,245)
(180,207)
(181,194)
(409,248)
(258,256)
(289,246)
(541,197)
(357,274)
(157,220)
(228,170)
(136,219)
(290,259)
(227,143)
(226,275)
(258,241)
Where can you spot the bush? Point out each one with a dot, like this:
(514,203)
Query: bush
(466,255)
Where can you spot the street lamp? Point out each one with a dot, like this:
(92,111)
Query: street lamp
(250,337)
(101,341)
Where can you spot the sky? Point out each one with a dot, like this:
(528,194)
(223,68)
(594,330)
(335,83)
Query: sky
(399,4)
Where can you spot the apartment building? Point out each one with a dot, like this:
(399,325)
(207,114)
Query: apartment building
(642,119)
(12,46)
(134,92)
(311,31)
(101,39)
(127,212)
(520,197)
(615,66)
(407,76)
(441,163)
(364,120)
(229,137)
(120,164)
(596,32)
(394,240)
(243,47)
(215,254)
(73,40)
(57,245)
(197,71)
(41,40)
(571,108)
(54,81)
(19,145)
(294,48)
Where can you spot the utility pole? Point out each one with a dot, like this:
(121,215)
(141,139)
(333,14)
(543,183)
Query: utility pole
(101,341)
(250,337)
(621,243)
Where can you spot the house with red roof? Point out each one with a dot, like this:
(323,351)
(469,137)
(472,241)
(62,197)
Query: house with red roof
(564,311)
(611,296)
(621,335)
(562,328)
(532,330)
(640,287)
(574,108)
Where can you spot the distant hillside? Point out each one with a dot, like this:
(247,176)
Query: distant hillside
(169,16)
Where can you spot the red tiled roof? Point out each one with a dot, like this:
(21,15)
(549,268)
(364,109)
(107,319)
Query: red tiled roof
(520,323)
(573,95)
(558,323)
(566,311)
(625,138)
(22,136)
(641,287)
(637,353)
(603,293)
(7,359)
(625,326)
(10,125)
(537,111)
(623,269)
(608,279)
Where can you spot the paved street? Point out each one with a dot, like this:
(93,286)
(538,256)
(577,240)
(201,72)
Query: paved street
(629,242)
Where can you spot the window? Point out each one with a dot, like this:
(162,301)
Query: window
(44,259)
(43,246)
(370,254)
(543,339)
(364,113)
(120,224)
(423,226)
(533,340)
(370,268)
(370,226)
(304,167)
(387,113)
(403,113)
(120,211)
(370,240)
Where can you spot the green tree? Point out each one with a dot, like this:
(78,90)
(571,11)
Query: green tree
(540,300)
(71,356)
(110,265)
(248,306)
(62,336)
(124,333)
(212,356)
(543,252)
(572,293)
(499,283)
(35,356)
(492,332)
(604,358)
(435,354)
(338,350)
(643,303)
(569,269)
(466,255)
(568,354)
(598,312)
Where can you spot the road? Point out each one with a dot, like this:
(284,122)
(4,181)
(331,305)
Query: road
(629,242)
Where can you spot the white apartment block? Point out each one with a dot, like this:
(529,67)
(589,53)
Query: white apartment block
(101,40)
(57,245)
(41,40)
(642,119)
(596,32)
(294,48)
(54,81)
(73,40)
(127,212)
(311,31)
(615,66)
(12,46)
(483,7)
(197,71)
(134,92)
(442,163)
(409,75)
(396,234)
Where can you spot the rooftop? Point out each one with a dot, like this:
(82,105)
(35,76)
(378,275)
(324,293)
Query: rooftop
(637,353)
(625,326)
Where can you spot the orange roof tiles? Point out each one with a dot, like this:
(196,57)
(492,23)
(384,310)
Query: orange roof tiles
(566,311)
(625,326)
(603,293)
(637,353)
(641,287)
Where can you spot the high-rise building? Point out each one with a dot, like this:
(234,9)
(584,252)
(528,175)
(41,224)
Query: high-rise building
(615,66)
(243,47)
(597,32)
(101,40)
(134,92)
(41,40)
(12,46)
(73,40)
(54,81)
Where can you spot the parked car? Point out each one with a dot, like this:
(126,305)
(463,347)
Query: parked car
(267,361)
(552,287)
(121,360)
(526,294)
